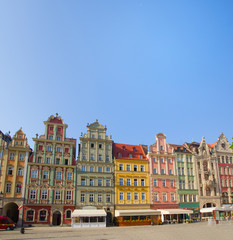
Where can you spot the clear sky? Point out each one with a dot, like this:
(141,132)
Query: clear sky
(141,67)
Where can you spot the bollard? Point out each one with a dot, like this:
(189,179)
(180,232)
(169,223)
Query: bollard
(22,230)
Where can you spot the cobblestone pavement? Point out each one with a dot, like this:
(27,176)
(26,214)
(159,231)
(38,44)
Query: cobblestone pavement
(193,231)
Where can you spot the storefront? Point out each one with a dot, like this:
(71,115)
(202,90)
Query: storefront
(137,217)
(207,213)
(222,213)
(88,218)
(175,215)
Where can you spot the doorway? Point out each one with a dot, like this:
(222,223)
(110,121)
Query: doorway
(56,218)
(11,210)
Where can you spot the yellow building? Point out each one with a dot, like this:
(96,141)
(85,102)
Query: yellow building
(132,189)
(13,165)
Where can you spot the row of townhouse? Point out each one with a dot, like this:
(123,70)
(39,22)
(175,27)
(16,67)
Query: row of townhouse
(51,183)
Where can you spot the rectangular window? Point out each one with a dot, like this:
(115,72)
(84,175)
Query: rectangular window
(33,194)
(91,182)
(68,195)
(181,198)
(169,160)
(58,138)
(164,197)
(66,161)
(121,182)
(156,197)
(12,155)
(83,168)
(135,182)
(49,148)
(58,195)
(39,160)
(18,188)
(170,171)
(21,157)
(121,196)
(48,160)
(190,198)
(108,198)
(92,156)
(100,182)
(44,194)
(108,182)
(69,175)
(99,197)
(82,199)
(135,168)
(107,159)
(172,197)
(194,198)
(162,171)
(128,196)
(100,157)
(46,175)
(100,145)
(83,182)
(121,167)
(20,172)
(108,169)
(143,196)
(57,161)
(128,167)
(100,169)
(154,159)
(155,183)
(179,171)
(135,196)
(91,197)
(143,182)
(10,171)
(172,183)
(50,137)
(58,175)
(58,149)
(91,169)
(142,168)
(161,160)
(128,182)
(84,157)
(34,173)
(164,182)
(155,171)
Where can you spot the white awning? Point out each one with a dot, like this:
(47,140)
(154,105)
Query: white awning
(88,213)
(143,212)
(175,211)
(207,210)
(224,209)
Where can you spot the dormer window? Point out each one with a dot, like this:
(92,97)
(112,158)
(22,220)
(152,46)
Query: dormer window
(119,155)
(134,149)
(130,155)
(141,156)
(123,148)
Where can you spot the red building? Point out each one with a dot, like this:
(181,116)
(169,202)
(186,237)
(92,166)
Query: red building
(51,176)
(162,174)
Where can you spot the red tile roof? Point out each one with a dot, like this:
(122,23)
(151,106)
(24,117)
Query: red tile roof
(125,150)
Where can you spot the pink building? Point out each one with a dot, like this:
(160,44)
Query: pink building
(162,174)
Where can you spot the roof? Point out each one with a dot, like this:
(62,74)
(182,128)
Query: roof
(175,211)
(143,212)
(88,213)
(212,145)
(180,148)
(125,150)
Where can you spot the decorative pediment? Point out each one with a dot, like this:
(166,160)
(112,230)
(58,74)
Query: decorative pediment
(96,125)
(223,145)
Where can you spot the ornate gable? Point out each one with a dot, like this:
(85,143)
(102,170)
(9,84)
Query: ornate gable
(222,144)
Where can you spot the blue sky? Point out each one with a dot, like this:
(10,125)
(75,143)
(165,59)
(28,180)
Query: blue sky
(140,67)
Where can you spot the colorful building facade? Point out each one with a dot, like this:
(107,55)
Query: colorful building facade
(187,182)
(14,160)
(51,176)
(95,170)
(163,176)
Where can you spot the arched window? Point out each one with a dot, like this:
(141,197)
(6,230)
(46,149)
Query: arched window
(30,215)
(42,215)
(68,214)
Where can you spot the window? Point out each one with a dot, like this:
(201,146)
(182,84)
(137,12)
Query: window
(119,155)
(99,137)
(12,155)
(100,145)
(68,195)
(182,171)
(107,169)
(164,197)
(92,156)
(121,196)
(46,175)
(100,157)
(128,167)
(58,138)
(128,196)
(49,148)
(68,214)
(58,149)
(135,182)
(190,198)
(48,160)
(82,199)
(161,147)
(170,171)
(18,188)
(100,169)
(172,197)
(142,182)
(21,157)
(29,216)
(142,168)
(92,145)
(135,196)
(121,167)
(91,197)
(10,171)
(161,160)
(91,182)
(143,196)
(107,159)
(155,171)
(156,197)
(108,182)
(57,161)
(128,182)
(141,157)
(185,198)
(83,181)
(100,182)
(172,183)
(91,169)
(58,195)
(34,173)
(179,171)
(39,160)
(108,198)
(69,175)
(154,159)
(121,183)
(162,171)
(50,137)
(99,197)
(84,157)
(83,168)
(135,168)
(66,161)
(32,194)
(169,160)
(164,182)
(58,175)
(92,136)
(194,198)
(130,155)
(44,194)
(181,198)
(155,183)
(20,172)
